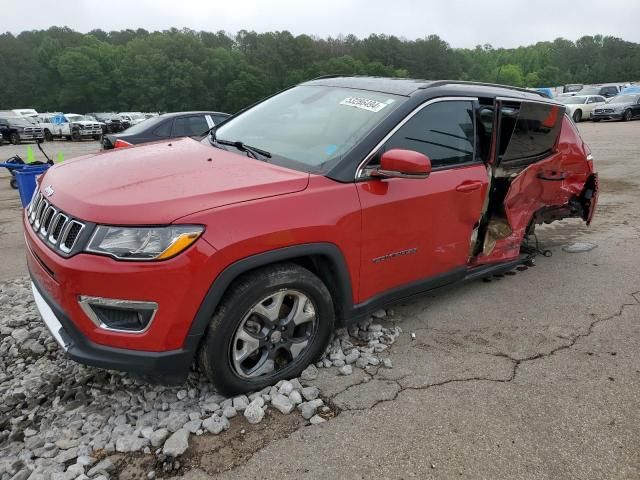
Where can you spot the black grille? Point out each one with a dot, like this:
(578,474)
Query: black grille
(58,229)
(48,216)
(72,235)
(122,319)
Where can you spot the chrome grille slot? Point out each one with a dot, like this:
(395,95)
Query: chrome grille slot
(47,217)
(56,227)
(34,210)
(70,235)
(35,195)
(42,206)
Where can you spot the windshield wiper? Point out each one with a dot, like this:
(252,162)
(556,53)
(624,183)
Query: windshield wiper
(250,151)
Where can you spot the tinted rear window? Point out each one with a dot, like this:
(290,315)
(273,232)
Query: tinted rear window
(528,131)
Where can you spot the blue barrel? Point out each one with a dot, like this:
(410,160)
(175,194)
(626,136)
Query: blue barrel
(26,178)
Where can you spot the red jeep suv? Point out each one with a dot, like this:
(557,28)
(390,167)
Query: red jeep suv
(243,251)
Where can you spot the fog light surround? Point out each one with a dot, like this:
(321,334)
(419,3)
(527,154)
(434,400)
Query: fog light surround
(123,316)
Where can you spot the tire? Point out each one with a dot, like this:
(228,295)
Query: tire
(48,136)
(76,136)
(627,116)
(14,183)
(293,289)
(577,116)
(14,139)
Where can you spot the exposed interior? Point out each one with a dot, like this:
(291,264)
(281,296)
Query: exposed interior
(526,158)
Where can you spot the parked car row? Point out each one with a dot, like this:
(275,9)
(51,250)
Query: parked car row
(595,107)
(169,125)
(16,129)
(26,124)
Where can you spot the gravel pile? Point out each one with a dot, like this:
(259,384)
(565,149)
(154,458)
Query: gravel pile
(59,420)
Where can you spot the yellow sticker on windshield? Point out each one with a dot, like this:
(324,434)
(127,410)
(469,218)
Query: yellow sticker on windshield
(363,103)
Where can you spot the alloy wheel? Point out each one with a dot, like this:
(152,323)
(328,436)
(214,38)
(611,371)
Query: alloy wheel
(275,331)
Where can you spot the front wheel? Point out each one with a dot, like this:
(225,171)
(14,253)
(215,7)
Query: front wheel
(627,116)
(577,116)
(48,136)
(14,138)
(269,326)
(76,136)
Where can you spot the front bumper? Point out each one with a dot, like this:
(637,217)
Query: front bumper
(606,116)
(31,136)
(91,133)
(170,367)
(164,351)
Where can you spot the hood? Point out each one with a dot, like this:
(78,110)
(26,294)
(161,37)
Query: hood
(161,182)
(614,104)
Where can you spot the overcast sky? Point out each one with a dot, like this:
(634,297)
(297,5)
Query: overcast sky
(463,23)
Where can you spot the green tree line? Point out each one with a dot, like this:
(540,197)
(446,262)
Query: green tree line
(62,70)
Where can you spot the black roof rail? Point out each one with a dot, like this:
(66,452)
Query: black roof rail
(440,83)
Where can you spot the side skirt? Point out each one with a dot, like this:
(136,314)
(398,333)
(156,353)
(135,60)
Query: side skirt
(439,283)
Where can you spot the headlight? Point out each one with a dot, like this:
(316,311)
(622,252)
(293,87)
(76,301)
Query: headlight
(143,243)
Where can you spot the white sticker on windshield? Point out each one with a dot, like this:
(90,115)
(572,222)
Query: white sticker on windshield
(363,103)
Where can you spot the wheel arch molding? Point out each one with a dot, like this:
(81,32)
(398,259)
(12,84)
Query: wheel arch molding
(323,259)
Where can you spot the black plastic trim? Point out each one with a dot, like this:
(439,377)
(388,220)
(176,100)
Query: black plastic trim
(172,367)
(228,275)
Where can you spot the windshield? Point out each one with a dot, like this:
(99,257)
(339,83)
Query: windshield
(590,91)
(20,121)
(310,128)
(623,99)
(76,118)
(573,100)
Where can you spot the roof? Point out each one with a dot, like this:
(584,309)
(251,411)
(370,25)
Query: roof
(410,86)
(394,86)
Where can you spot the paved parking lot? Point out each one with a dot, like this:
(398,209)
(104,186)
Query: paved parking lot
(534,375)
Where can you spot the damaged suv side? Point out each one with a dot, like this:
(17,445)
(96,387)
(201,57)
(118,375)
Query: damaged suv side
(307,211)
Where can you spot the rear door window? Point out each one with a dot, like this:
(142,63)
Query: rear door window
(164,129)
(190,126)
(528,132)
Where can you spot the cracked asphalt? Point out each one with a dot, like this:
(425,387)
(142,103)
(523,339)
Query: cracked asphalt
(534,375)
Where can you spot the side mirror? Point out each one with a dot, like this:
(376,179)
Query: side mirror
(398,163)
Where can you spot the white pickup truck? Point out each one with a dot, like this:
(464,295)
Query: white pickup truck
(70,126)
